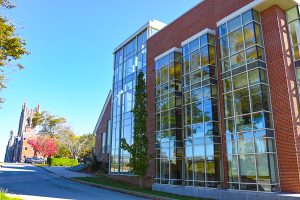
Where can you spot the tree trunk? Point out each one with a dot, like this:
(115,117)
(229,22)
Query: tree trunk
(49,162)
(140,182)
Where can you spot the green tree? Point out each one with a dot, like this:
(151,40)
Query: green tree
(63,151)
(78,146)
(37,119)
(89,143)
(12,47)
(139,148)
(49,124)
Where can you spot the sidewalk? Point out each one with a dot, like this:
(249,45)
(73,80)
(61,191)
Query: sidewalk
(70,175)
(64,172)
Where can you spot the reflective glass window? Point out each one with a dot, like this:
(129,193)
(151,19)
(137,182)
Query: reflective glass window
(248,119)
(297,52)
(247,168)
(234,24)
(243,123)
(232,169)
(172,71)
(240,81)
(204,56)
(228,105)
(224,50)
(199,167)
(237,60)
(195,76)
(292,14)
(249,35)
(247,17)
(222,30)
(225,65)
(195,60)
(258,34)
(186,64)
(197,110)
(194,45)
(164,74)
(236,41)
(196,95)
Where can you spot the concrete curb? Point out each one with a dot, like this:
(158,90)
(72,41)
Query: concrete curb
(137,194)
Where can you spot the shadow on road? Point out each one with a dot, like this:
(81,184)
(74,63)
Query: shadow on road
(32,183)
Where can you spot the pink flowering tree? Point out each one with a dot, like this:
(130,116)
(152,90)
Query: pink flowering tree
(44,145)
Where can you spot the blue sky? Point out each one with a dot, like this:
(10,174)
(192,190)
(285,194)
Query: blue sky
(69,71)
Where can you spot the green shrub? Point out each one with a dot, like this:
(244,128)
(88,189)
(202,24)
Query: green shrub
(96,165)
(3,196)
(62,162)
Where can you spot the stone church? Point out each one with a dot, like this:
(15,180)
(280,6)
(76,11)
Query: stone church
(18,149)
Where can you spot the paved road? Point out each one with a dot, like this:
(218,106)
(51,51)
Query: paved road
(31,183)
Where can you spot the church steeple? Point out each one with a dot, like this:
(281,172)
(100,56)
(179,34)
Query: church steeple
(24,105)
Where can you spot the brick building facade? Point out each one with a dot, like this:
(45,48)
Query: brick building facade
(280,67)
(222,98)
(102,133)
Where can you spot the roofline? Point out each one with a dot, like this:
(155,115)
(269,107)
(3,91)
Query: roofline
(197,35)
(102,112)
(174,49)
(253,4)
(201,1)
(152,23)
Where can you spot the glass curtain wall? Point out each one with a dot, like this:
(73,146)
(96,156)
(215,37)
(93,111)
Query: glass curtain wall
(168,116)
(129,60)
(251,152)
(202,137)
(293,18)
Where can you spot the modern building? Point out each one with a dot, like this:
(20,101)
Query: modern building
(222,99)
(18,148)
(129,59)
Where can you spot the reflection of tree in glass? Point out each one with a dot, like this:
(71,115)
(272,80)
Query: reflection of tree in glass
(258,121)
(256,98)
(242,103)
(247,168)
(173,118)
(197,112)
(164,120)
(243,123)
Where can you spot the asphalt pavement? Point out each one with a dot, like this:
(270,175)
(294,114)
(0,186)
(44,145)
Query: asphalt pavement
(32,183)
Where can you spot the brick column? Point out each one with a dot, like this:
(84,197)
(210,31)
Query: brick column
(224,175)
(150,107)
(284,96)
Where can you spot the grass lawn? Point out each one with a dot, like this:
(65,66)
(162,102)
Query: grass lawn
(41,165)
(102,180)
(5,197)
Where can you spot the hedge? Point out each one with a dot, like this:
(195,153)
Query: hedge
(3,196)
(62,162)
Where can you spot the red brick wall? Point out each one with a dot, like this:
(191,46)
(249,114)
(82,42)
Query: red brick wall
(204,15)
(282,78)
(284,95)
(29,153)
(103,128)
(130,179)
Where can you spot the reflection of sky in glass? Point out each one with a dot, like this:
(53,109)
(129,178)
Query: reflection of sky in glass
(198,130)
(189,151)
(199,151)
(209,149)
